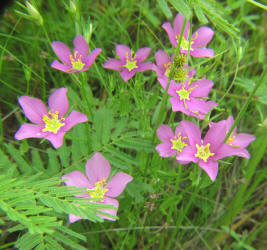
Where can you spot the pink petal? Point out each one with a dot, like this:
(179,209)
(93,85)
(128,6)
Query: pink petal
(126,74)
(168,28)
(58,101)
(192,131)
(243,140)
(191,73)
(29,131)
(62,51)
(229,122)
(77,179)
(165,133)
(164,149)
(203,88)
(215,135)
(74,118)
(121,51)
(97,168)
(62,67)
(33,108)
(187,155)
(163,81)
(117,184)
(226,150)
(73,218)
(210,167)
(202,52)
(109,201)
(142,54)
(91,57)
(173,88)
(81,45)
(55,139)
(162,58)
(144,67)
(178,24)
(177,105)
(203,36)
(113,64)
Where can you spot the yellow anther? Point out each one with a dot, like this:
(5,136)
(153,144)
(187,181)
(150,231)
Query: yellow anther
(178,142)
(99,190)
(130,62)
(76,62)
(52,123)
(203,152)
(230,139)
(185,43)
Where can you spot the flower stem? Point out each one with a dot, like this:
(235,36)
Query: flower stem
(245,106)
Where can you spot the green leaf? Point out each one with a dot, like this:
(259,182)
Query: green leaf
(182,7)
(136,143)
(53,164)
(200,15)
(165,9)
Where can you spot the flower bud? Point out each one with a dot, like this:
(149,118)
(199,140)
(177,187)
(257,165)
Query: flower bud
(34,13)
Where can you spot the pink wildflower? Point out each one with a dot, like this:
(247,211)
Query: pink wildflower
(129,63)
(171,143)
(49,125)
(97,172)
(163,67)
(208,151)
(186,97)
(200,38)
(79,60)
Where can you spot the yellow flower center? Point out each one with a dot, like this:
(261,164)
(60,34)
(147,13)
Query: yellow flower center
(183,93)
(76,63)
(99,190)
(52,123)
(203,152)
(130,62)
(185,43)
(178,143)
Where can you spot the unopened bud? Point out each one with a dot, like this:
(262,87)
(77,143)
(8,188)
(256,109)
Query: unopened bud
(73,7)
(34,13)
(179,61)
(180,73)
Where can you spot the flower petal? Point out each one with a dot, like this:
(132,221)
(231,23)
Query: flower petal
(202,36)
(74,118)
(97,168)
(229,122)
(117,184)
(162,58)
(163,80)
(202,89)
(91,57)
(168,28)
(113,64)
(62,67)
(144,67)
(165,133)
(178,24)
(81,45)
(226,150)
(55,139)
(29,131)
(202,53)
(243,140)
(33,108)
(177,105)
(58,101)
(121,51)
(126,74)
(142,54)
(77,179)
(73,218)
(186,155)
(164,149)
(62,51)
(211,168)
(109,201)
(192,131)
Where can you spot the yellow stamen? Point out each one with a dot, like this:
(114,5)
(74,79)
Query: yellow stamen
(130,62)
(185,43)
(77,62)
(52,123)
(230,139)
(203,152)
(178,143)
(99,190)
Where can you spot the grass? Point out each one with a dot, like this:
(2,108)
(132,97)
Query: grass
(167,206)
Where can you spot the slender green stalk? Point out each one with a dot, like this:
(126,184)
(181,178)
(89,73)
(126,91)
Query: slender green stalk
(260,5)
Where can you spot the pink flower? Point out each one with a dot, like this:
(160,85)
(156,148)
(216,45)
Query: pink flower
(172,144)
(97,172)
(49,125)
(212,148)
(200,38)
(129,63)
(163,67)
(79,60)
(236,142)
(186,97)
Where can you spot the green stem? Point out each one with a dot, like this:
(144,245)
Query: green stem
(244,108)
